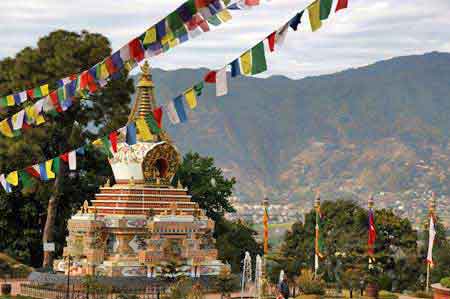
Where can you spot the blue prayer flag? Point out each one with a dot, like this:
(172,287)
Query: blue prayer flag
(179,107)
(43,172)
(131,134)
(235,68)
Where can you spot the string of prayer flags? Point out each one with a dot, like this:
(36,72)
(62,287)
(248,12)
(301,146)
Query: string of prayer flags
(342,4)
(21,97)
(259,63)
(221,82)
(314,15)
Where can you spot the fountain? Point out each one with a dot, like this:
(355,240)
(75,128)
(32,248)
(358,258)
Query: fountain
(281,276)
(246,273)
(258,277)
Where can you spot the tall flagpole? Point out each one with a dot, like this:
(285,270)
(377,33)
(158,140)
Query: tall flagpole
(372,233)
(431,203)
(316,243)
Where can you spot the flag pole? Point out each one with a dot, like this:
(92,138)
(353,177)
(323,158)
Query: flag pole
(430,215)
(371,246)
(316,243)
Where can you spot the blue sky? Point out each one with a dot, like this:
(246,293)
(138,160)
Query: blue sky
(366,32)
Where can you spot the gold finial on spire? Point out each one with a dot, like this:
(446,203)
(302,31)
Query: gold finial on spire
(144,102)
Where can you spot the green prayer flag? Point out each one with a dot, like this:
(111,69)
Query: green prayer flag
(226,2)
(192,8)
(106,145)
(3,102)
(325,8)
(259,63)
(55,165)
(214,20)
(175,22)
(198,88)
(61,94)
(25,179)
(153,125)
(37,92)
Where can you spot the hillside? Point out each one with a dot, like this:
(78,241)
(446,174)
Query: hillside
(382,128)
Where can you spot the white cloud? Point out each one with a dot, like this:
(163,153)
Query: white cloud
(362,34)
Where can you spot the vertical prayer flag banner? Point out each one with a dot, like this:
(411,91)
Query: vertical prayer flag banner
(221,82)
(246,63)
(259,63)
(431,236)
(314,15)
(131,134)
(325,8)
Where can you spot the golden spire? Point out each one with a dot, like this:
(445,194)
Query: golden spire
(144,102)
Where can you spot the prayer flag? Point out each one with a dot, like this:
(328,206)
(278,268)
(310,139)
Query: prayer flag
(10,100)
(210,77)
(259,63)
(314,15)
(281,34)
(23,96)
(150,36)
(32,170)
(214,20)
(172,113)
(113,140)
(152,124)
(72,157)
(224,15)
(25,178)
(199,88)
(431,236)
(3,102)
(246,63)
(13,178)
(235,68)
(295,21)
(18,120)
(124,54)
(55,101)
(5,184)
(106,145)
(271,41)
(56,165)
(158,115)
(48,168)
(186,11)
(342,4)
(37,92)
(252,2)
(372,234)
(221,82)
(5,129)
(136,50)
(325,8)
(44,90)
(143,129)
(161,29)
(16,99)
(43,172)
(131,134)
(117,60)
(179,107)
(190,97)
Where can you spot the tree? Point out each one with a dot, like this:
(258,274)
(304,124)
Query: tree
(211,190)
(345,237)
(40,212)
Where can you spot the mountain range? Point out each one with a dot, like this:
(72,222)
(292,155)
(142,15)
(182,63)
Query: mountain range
(380,129)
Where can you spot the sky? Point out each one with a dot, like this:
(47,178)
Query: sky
(366,32)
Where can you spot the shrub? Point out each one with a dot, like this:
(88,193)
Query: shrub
(310,285)
(423,294)
(445,282)
(387,295)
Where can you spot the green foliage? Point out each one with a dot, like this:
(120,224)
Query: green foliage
(211,190)
(226,282)
(184,288)
(23,214)
(387,295)
(445,282)
(422,294)
(207,184)
(310,285)
(345,232)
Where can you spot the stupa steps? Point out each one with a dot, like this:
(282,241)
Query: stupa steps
(145,204)
(137,211)
(145,191)
(141,197)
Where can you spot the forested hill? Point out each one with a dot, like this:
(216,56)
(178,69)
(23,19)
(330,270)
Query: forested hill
(379,128)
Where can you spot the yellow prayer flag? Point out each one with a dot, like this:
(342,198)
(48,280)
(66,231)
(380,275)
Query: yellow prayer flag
(5,129)
(144,131)
(13,178)
(314,15)
(167,38)
(98,142)
(224,15)
(48,169)
(38,116)
(104,74)
(31,114)
(246,63)
(174,42)
(191,99)
(10,100)
(44,90)
(150,36)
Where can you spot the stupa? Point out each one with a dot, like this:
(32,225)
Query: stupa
(133,227)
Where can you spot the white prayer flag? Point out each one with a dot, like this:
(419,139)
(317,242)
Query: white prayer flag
(72,160)
(281,34)
(23,96)
(172,113)
(432,235)
(221,82)
(18,120)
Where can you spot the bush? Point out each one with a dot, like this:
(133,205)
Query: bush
(310,285)
(445,282)
(423,294)
(387,295)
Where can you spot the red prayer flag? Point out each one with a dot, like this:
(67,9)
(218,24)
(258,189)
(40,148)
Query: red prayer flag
(211,77)
(271,40)
(202,3)
(341,4)
(31,171)
(110,66)
(55,102)
(64,157)
(157,115)
(91,83)
(372,234)
(136,50)
(113,140)
(251,2)
(84,79)
(30,93)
